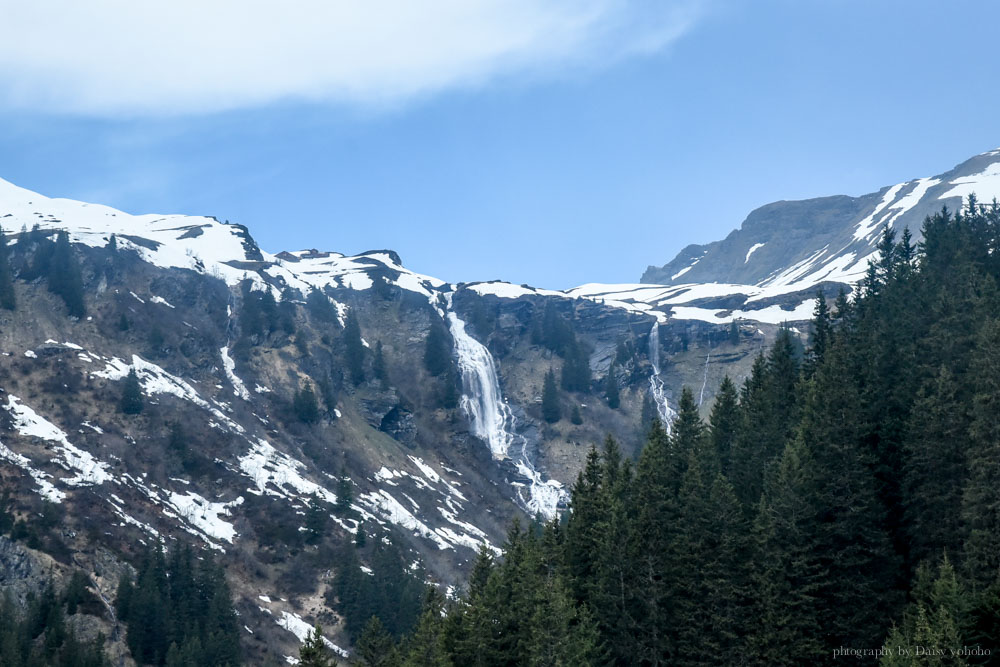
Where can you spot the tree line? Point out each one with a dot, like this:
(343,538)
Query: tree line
(844,498)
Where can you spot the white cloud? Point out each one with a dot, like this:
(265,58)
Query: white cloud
(154,57)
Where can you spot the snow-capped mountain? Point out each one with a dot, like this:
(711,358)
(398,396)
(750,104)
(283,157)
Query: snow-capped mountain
(796,245)
(437,462)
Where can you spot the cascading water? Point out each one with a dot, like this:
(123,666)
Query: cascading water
(492,420)
(659,394)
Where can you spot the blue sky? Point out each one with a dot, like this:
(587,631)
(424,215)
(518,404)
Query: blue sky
(579,150)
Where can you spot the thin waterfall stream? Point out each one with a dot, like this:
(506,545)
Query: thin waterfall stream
(656,388)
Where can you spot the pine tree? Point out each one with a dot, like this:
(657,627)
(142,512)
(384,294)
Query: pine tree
(131,401)
(378,365)
(305,405)
(313,652)
(551,411)
(981,499)
(427,647)
(611,393)
(345,493)
(724,422)
(932,622)
(935,468)
(437,351)
(575,417)
(8,299)
(576,367)
(375,647)
(822,331)
(786,575)
(849,526)
(64,276)
(354,349)
(319,307)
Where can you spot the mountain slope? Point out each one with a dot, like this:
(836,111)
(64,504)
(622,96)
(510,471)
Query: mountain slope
(803,243)
(226,339)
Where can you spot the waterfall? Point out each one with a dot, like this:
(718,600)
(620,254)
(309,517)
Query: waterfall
(488,413)
(659,394)
(492,420)
(704,382)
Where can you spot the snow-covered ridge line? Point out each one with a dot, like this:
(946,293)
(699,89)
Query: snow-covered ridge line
(207,246)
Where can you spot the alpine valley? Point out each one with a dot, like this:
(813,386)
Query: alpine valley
(324,435)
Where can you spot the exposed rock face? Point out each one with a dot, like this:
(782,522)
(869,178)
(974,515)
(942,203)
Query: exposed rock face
(222,335)
(828,238)
(21,572)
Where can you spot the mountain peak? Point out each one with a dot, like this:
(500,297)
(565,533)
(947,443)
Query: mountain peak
(806,242)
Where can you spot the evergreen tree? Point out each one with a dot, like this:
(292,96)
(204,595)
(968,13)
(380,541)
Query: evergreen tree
(354,349)
(427,647)
(611,393)
(375,647)
(131,401)
(313,652)
(551,411)
(575,417)
(935,468)
(64,276)
(851,543)
(8,299)
(724,422)
(786,575)
(437,350)
(734,333)
(345,493)
(378,365)
(981,499)
(319,307)
(822,331)
(576,367)
(305,405)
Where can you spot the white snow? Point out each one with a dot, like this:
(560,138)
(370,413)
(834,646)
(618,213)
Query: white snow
(277,474)
(160,300)
(27,422)
(204,515)
(30,354)
(301,629)
(428,472)
(868,224)
(682,272)
(391,509)
(754,248)
(985,185)
(239,389)
(155,380)
(45,488)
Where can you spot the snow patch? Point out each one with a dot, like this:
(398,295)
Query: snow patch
(239,389)
(754,248)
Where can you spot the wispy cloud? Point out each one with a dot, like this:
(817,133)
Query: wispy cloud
(160,57)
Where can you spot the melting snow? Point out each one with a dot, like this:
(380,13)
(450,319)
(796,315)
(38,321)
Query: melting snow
(160,300)
(28,422)
(754,248)
(301,629)
(239,389)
